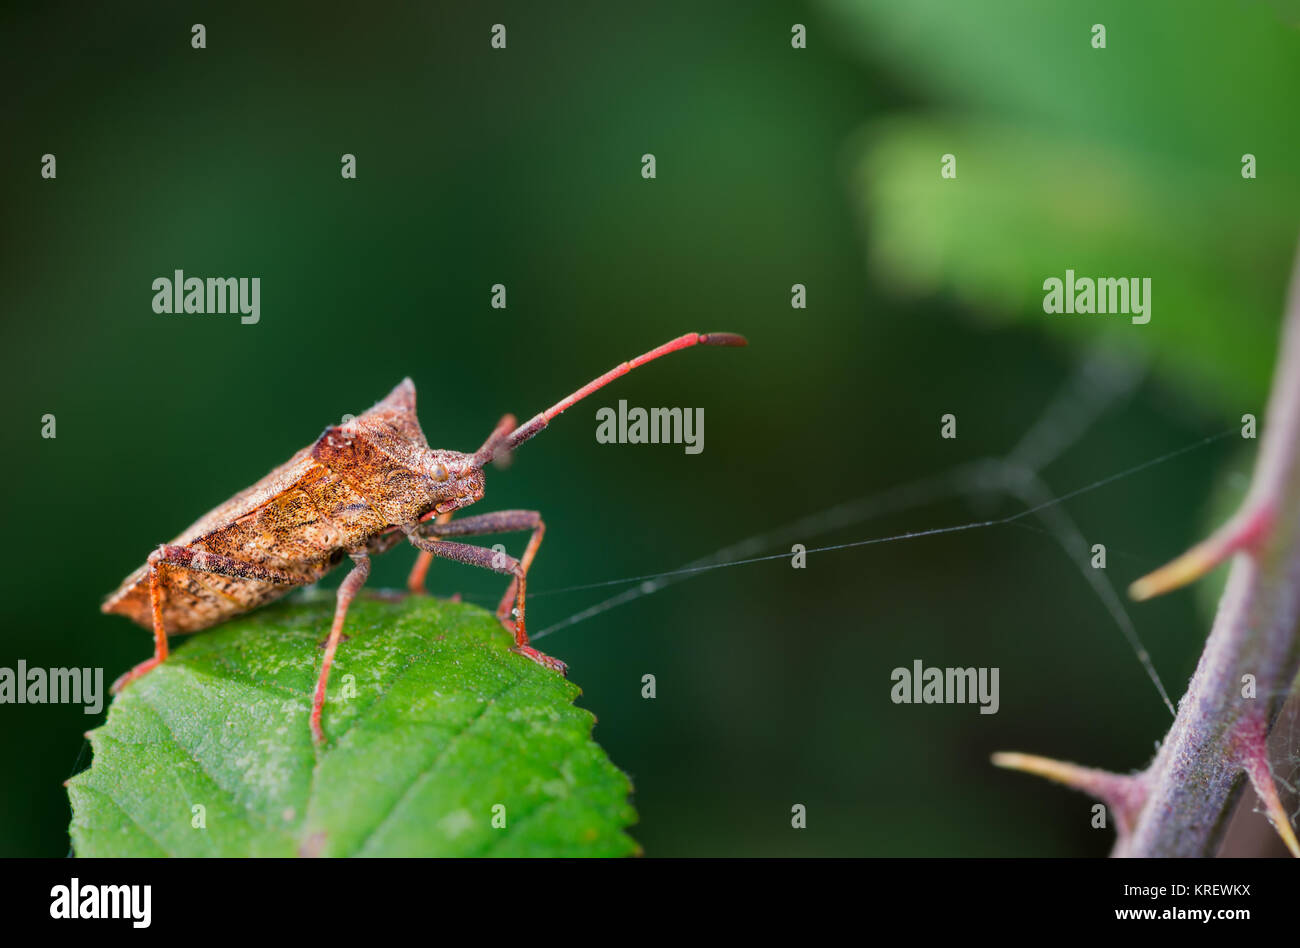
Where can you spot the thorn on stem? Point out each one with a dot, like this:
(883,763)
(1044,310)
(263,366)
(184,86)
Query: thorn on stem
(1245,532)
(1123,793)
(1252,741)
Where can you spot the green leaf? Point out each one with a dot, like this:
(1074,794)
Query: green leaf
(1028,204)
(431,723)
(1123,161)
(1159,81)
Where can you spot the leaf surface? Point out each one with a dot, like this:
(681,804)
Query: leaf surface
(431,723)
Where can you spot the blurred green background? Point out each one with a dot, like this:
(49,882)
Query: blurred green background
(775,166)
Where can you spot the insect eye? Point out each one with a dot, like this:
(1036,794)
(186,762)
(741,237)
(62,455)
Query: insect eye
(440,473)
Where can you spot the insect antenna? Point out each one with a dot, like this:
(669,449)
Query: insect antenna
(500,442)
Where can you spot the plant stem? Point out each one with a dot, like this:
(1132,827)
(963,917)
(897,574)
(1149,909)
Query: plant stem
(1218,738)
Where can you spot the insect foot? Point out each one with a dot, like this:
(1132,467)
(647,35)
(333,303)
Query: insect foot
(554,664)
(148,665)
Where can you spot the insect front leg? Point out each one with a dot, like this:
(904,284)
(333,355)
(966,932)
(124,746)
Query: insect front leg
(199,561)
(494,446)
(348,590)
(415,581)
(430,537)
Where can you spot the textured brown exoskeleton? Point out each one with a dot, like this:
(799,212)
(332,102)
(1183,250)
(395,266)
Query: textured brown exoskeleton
(359,489)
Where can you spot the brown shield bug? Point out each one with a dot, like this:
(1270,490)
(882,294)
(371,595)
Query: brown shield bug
(359,489)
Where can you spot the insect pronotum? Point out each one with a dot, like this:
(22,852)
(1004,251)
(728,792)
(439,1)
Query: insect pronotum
(359,489)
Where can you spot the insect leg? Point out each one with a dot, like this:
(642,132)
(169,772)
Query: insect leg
(495,445)
(201,562)
(415,581)
(159,634)
(502,521)
(348,590)
(429,537)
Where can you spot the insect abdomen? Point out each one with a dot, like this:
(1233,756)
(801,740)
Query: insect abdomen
(301,530)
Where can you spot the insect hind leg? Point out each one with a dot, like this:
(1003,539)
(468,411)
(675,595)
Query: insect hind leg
(159,631)
(202,562)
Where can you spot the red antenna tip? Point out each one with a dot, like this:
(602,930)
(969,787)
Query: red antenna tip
(539,421)
(723,339)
